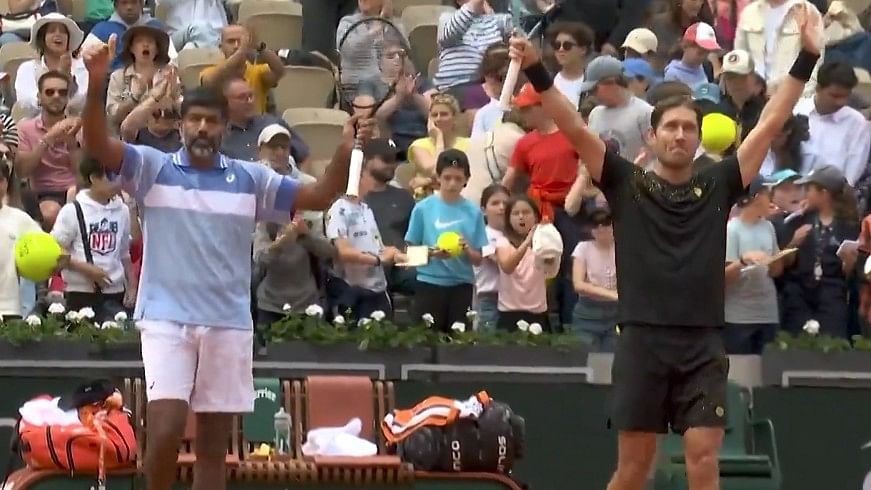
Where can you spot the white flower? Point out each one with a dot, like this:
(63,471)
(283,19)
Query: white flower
(56,309)
(73,316)
(339,320)
(33,321)
(314,310)
(428,319)
(121,316)
(471,314)
(523,325)
(365,321)
(87,312)
(286,308)
(535,329)
(107,325)
(812,327)
(458,327)
(378,315)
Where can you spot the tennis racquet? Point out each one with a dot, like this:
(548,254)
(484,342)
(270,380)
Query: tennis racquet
(513,73)
(373,65)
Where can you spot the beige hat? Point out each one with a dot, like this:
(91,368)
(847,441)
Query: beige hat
(641,40)
(76,36)
(270,132)
(547,246)
(738,62)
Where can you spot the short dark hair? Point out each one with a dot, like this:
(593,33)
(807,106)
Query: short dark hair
(667,90)
(203,97)
(837,73)
(490,191)
(52,74)
(40,37)
(580,32)
(600,216)
(509,232)
(453,158)
(495,60)
(90,167)
(671,103)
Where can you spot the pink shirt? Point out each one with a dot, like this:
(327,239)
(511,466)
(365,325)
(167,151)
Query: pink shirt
(524,289)
(600,264)
(56,171)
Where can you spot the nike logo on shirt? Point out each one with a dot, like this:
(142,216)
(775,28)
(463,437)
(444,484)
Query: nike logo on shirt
(441,225)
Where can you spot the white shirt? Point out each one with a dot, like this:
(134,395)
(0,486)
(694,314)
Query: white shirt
(487,118)
(26,86)
(182,13)
(487,274)
(774,17)
(13,223)
(570,88)
(842,139)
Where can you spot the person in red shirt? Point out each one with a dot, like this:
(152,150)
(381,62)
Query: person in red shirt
(551,162)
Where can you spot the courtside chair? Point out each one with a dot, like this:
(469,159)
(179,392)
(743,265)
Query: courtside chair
(304,86)
(278,23)
(192,61)
(421,25)
(320,128)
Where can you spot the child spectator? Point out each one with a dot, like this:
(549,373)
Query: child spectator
(698,41)
(487,274)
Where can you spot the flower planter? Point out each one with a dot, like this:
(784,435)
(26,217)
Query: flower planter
(521,363)
(44,350)
(337,358)
(842,369)
(121,351)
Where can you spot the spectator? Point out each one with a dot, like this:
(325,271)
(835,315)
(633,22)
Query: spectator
(195,23)
(640,76)
(671,26)
(244,126)
(839,134)
(55,38)
(483,99)
(726,21)
(815,285)
(522,288)
(144,63)
(48,151)
(128,13)
(708,97)
(30,10)
(786,148)
(641,43)
(572,43)
(620,116)
(319,25)
(238,47)
(739,101)
(751,296)
(286,256)
(786,195)
(771,36)
(463,37)
(405,112)
(357,284)
(490,155)
(356,57)
(155,121)
(443,134)
(13,224)
(698,42)
(667,90)
(445,285)
(594,274)
(95,12)
(493,200)
(104,281)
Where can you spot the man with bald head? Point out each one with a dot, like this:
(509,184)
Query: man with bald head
(245,58)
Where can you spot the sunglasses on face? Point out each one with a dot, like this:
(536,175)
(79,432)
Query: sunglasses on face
(60,92)
(166,114)
(563,45)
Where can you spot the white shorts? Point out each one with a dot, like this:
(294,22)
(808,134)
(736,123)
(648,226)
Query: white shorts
(210,368)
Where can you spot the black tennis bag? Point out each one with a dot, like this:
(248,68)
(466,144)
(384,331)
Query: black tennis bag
(489,444)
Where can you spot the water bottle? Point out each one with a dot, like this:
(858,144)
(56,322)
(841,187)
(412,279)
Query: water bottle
(282,432)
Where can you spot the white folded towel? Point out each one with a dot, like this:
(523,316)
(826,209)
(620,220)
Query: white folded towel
(338,441)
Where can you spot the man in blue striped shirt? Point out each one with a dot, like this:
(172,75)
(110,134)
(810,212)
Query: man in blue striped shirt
(198,209)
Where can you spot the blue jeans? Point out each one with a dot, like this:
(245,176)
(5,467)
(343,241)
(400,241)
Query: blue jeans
(595,323)
(564,290)
(27,291)
(488,312)
(9,38)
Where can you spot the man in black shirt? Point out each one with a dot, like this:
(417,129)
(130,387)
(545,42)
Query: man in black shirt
(670,368)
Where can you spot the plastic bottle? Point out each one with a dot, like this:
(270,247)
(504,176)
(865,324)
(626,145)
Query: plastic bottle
(282,432)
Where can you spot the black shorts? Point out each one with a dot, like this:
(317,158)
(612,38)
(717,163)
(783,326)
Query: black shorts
(59,197)
(669,377)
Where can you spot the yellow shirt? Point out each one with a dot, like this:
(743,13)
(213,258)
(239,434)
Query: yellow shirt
(255,76)
(427,144)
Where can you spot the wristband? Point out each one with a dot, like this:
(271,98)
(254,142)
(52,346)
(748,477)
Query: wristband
(804,65)
(539,77)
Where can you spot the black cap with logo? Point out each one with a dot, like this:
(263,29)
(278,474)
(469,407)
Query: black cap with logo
(383,148)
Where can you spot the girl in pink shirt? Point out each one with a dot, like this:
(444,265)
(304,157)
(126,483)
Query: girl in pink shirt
(522,288)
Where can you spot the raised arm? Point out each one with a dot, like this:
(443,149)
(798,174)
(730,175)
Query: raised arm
(590,148)
(99,144)
(779,108)
(452,26)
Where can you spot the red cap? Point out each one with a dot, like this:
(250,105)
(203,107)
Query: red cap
(526,97)
(703,35)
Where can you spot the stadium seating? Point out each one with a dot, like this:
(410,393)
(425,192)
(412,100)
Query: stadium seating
(278,23)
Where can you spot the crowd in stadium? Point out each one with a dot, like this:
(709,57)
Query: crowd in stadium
(448,158)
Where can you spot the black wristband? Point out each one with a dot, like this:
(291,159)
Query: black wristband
(539,77)
(804,65)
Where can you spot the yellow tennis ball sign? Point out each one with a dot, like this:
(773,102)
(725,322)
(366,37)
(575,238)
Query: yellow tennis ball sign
(450,242)
(36,255)
(718,133)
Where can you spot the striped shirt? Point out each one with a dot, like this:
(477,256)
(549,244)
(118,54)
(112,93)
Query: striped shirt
(10,130)
(198,226)
(360,54)
(463,36)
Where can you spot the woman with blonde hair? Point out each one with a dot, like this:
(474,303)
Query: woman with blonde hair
(443,133)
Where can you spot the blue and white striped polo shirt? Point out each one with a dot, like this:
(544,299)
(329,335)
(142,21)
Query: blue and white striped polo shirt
(197,227)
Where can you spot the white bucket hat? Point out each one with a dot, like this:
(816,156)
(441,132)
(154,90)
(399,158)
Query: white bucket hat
(76,34)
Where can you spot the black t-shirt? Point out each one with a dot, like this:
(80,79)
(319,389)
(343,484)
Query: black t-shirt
(818,249)
(392,209)
(670,242)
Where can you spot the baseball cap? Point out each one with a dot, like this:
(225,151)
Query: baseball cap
(782,177)
(738,62)
(526,97)
(703,35)
(756,186)
(455,158)
(637,67)
(547,248)
(384,148)
(641,40)
(270,132)
(599,69)
(707,91)
(828,177)
(94,391)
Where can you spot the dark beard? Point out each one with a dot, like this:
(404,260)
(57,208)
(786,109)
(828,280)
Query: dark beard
(383,176)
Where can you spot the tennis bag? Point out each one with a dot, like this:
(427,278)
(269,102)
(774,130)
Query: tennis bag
(491,443)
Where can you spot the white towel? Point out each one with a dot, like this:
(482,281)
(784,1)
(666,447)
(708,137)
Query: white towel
(339,441)
(44,411)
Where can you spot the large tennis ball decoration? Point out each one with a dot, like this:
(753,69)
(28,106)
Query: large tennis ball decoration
(718,133)
(36,255)
(449,242)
